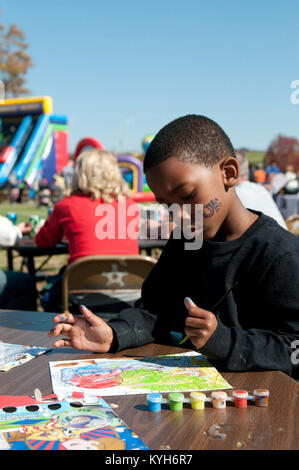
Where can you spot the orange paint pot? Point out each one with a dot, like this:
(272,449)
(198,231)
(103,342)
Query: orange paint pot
(219,400)
(261,396)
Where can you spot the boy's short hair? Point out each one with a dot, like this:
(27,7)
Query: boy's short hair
(192,139)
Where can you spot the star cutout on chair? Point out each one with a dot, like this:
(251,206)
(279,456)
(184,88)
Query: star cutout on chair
(115,276)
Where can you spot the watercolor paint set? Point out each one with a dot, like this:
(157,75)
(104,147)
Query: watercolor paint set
(61,425)
(198,400)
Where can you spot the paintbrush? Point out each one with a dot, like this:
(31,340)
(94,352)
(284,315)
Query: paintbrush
(192,304)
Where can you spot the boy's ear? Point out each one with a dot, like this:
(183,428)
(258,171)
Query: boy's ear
(230,171)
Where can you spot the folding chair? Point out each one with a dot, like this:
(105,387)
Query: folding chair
(105,283)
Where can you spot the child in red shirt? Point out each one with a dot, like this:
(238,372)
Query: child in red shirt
(77,218)
(98,218)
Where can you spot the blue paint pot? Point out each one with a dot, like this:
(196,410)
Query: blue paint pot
(154,401)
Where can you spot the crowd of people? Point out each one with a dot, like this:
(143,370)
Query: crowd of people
(245,242)
(274,179)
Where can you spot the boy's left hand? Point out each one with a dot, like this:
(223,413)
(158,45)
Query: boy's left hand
(200,325)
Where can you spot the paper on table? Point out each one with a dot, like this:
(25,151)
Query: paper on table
(124,376)
(13,355)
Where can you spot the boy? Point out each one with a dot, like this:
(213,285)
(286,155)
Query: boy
(245,256)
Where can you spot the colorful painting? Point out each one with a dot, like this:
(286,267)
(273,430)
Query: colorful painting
(66,426)
(120,376)
(13,355)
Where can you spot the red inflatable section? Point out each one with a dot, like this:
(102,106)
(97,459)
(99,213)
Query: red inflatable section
(144,197)
(87,142)
(61,146)
(4,155)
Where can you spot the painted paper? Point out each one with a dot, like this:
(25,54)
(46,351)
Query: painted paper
(120,376)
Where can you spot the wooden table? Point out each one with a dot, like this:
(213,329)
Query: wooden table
(27,249)
(253,428)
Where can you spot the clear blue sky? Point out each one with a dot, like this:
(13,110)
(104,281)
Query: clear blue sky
(122,69)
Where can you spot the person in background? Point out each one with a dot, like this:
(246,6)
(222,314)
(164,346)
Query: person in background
(259,175)
(275,183)
(292,184)
(272,168)
(254,195)
(17,289)
(58,181)
(11,234)
(57,189)
(97,180)
(251,172)
(44,193)
(98,189)
(68,173)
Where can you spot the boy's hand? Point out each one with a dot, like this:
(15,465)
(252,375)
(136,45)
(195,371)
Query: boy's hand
(90,333)
(200,325)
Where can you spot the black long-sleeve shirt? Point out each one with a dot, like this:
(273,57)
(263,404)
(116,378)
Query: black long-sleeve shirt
(258,321)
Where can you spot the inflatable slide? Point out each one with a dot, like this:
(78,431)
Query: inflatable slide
(33,141)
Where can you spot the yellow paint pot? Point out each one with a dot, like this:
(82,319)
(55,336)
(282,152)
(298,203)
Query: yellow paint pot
(197,400)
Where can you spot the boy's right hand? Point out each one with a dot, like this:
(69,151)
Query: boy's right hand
(89,333)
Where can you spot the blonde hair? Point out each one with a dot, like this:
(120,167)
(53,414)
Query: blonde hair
(98,175)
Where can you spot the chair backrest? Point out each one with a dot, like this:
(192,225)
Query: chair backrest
(292,223)
(103,273)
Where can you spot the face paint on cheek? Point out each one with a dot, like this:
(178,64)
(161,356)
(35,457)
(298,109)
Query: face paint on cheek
(210,209)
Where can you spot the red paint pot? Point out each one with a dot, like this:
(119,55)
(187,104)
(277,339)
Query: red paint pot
(240,398)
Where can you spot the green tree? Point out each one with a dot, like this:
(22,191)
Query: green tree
(14,60)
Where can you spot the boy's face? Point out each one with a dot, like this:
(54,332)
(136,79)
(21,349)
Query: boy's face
(176,182)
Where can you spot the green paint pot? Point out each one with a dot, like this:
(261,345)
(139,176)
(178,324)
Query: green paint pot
(176,401)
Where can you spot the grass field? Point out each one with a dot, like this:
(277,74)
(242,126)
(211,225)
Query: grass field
(255,157)
(24,210)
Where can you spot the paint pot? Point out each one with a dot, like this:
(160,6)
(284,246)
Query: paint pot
(176,401)
(261,396)
(154,401)
(240,398)
(197,400)
(219,400)
(91,400)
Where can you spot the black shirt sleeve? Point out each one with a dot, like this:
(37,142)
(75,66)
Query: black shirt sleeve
(236,349)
